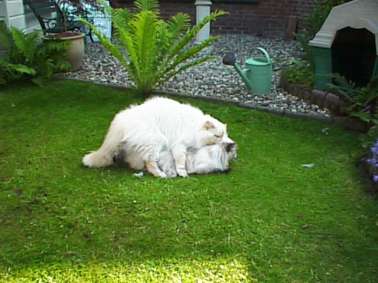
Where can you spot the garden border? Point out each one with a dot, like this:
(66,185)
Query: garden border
(327,100)
(345,122)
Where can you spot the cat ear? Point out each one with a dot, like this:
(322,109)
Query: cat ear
(208,125)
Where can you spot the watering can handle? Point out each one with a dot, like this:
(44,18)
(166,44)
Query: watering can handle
(265,53)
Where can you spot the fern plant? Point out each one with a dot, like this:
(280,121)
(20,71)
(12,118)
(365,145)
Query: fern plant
(9,72)
(362,103)
(300,72)
(27,56)
(153,50)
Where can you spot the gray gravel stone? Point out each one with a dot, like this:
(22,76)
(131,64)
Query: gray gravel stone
(212,79)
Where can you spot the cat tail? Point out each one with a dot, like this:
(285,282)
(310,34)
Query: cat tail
(110,147)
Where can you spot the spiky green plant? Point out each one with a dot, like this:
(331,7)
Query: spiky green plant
(153,50)
(27,56)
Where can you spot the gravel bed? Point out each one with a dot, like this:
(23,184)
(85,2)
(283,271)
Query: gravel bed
(212,79)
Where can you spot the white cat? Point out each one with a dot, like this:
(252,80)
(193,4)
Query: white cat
(207,159)
(144,130)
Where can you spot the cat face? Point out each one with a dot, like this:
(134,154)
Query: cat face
(207,159)
(212,132)
(211,158)
(230,147)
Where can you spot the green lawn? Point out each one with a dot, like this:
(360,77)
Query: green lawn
(268,220)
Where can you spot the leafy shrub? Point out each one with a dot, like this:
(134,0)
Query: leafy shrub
(370,137)
(9,72)
(362,103)
(153,50)
(27,56)
(314,22)
(300,73)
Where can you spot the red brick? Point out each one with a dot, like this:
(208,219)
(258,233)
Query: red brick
(266,17)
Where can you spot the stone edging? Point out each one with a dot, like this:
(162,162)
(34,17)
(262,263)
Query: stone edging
(221,100)
(250,106)
(323,99)
(327,100)
(346,122)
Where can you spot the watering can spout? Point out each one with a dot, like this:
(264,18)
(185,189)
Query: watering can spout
(243,73)
(257,74)
(230,60)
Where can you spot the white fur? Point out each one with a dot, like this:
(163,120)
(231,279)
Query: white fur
(211,158)
(144,130)
(207,159)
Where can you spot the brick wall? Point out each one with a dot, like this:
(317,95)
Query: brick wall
(265,17)
(301,9)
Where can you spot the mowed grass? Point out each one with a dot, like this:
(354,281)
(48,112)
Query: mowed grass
(268,220)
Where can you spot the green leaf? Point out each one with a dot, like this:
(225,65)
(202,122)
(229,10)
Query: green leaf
(147,5)
(23,69)
(30,56)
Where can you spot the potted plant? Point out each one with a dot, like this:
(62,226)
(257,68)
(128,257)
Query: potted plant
(63,24)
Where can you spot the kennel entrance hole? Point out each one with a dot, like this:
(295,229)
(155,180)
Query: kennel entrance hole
(353,55)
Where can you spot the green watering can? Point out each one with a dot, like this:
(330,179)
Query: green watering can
(257,74)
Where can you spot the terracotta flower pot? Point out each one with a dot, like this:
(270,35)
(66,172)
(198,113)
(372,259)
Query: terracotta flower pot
(75,49)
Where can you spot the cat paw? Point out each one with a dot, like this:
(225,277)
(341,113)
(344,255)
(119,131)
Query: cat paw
(171,173)
(162,175)
(182,173)
(96,160)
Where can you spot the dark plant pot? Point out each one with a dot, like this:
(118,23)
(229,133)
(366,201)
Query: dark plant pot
(76,48)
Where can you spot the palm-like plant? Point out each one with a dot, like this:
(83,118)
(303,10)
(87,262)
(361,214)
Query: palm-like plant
(151,49)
